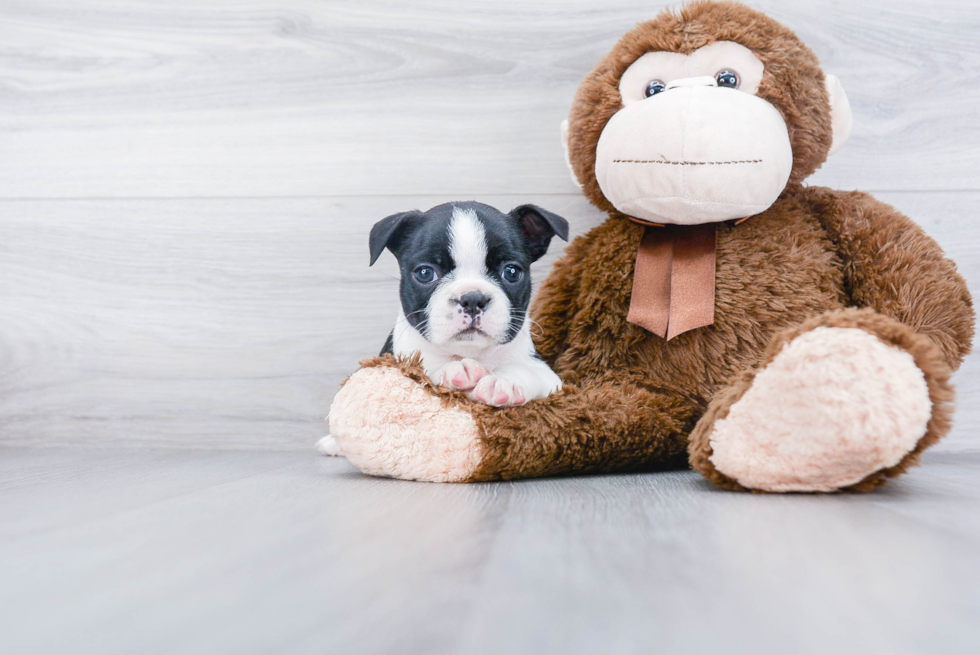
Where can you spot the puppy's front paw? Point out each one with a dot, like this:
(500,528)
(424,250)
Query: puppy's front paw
(498,392)
(462,375)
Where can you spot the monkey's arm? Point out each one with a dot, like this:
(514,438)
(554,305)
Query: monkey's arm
(892,266)
(556,301)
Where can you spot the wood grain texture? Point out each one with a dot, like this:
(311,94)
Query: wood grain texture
(202,323)
(110,552)
(231,323)
(134,98)
(186,188)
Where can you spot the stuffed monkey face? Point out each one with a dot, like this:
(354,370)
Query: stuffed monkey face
(700,132)
(693,143)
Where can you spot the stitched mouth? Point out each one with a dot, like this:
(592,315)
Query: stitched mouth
(667,162)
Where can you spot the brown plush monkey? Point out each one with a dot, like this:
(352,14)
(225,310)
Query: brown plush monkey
(808,348)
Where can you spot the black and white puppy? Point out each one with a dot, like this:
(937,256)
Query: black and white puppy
(465,289)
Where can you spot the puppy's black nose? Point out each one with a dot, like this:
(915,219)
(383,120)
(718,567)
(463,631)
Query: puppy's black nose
(474,302)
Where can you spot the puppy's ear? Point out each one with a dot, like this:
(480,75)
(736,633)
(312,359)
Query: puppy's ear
(538,226)
(389,233)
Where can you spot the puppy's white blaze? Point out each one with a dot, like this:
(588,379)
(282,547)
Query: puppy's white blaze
(468,249)
(467,244)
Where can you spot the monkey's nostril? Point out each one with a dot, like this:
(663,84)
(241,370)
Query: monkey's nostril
(474,302)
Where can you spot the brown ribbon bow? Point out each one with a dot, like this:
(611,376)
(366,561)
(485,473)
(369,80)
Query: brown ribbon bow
(674,280)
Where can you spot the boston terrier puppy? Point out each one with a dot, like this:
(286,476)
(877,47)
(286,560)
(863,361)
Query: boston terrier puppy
(465,289)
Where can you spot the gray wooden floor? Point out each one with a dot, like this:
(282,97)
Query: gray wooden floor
(186,190)
(171,551)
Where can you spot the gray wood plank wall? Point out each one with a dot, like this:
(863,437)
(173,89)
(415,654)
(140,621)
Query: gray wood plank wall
(186,187)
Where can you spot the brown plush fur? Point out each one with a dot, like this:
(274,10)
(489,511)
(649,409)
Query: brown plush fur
(774,273)
(632,399)
(813,253)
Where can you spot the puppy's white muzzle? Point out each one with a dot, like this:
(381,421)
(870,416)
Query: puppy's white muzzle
(470,312)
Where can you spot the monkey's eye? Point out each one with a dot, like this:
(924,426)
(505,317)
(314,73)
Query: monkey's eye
(727,78)
(655,87)
(512,273)
(425,274)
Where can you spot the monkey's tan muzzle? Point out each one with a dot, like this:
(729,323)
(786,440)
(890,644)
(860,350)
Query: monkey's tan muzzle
(694,154)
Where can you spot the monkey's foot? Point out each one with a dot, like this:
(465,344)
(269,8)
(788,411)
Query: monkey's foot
(391,422)
(841,405)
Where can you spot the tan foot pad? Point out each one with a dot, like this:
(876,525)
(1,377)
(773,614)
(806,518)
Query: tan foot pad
(389,425)
(834,406)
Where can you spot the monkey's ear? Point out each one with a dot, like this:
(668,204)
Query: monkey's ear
(568,158)
(841,118)
(538,226)
(389,232)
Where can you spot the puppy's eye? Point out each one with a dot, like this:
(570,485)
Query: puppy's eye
(727,78)
(512,273)
(655,87)
(425,274)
